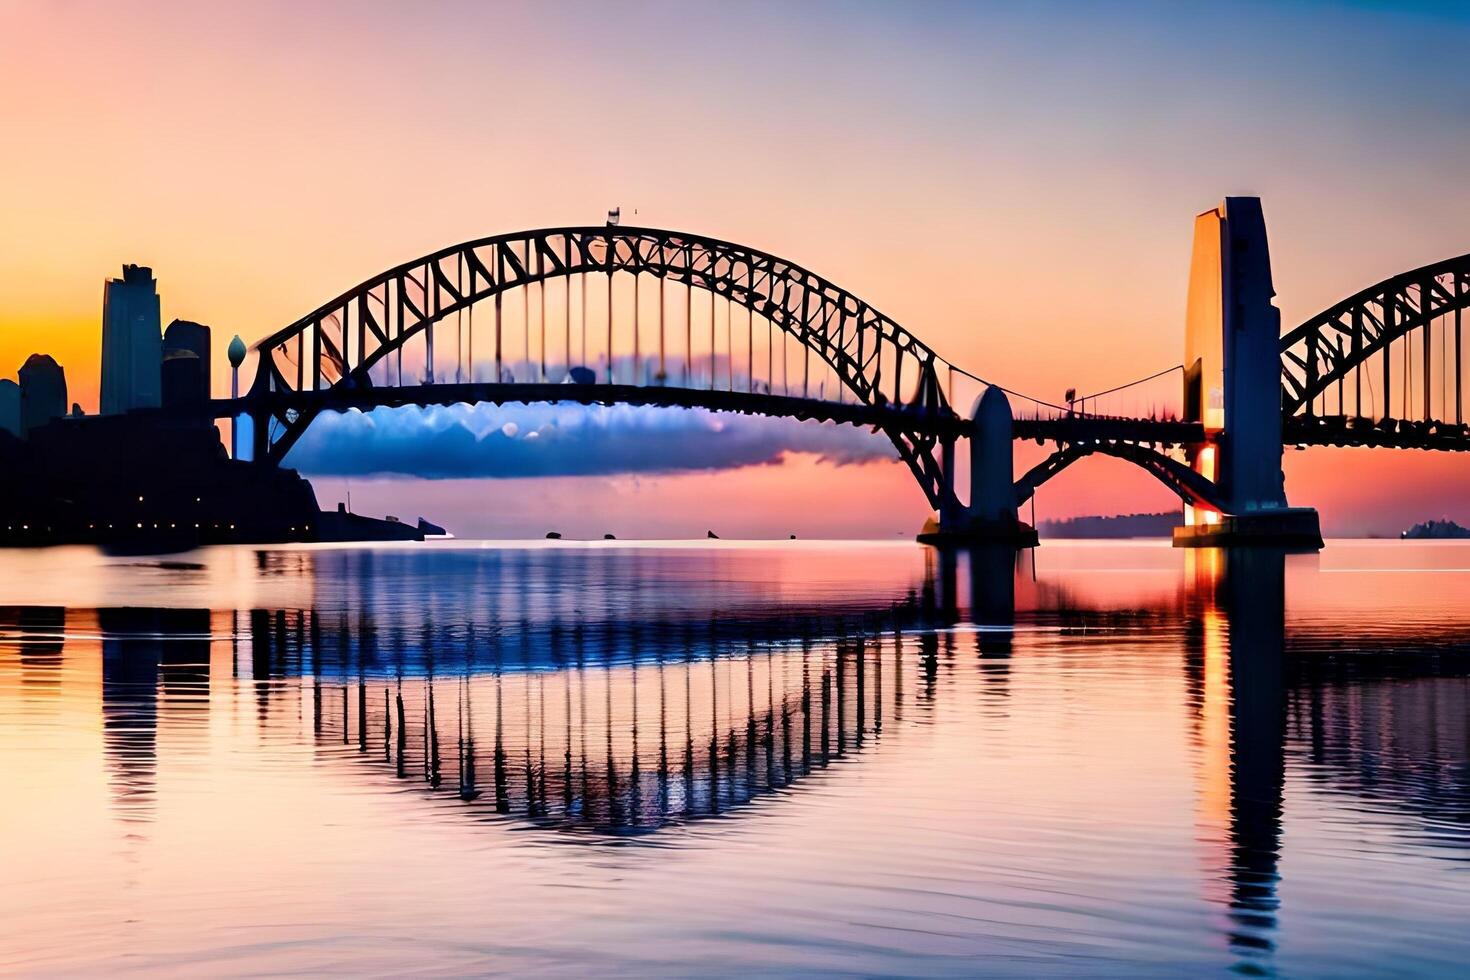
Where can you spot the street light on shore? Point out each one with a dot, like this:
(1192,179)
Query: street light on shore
(236,354)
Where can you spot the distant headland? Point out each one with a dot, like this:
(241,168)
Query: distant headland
(1435,530)
(1160,525)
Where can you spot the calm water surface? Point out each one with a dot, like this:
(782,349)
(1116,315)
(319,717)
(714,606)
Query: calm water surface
(808,758)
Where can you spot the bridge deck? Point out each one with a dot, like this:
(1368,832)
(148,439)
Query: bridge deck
(1092,428)
(1063,430)
(1314,430)
(341,399)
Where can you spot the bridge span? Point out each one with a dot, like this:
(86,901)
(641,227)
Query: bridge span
(641,316)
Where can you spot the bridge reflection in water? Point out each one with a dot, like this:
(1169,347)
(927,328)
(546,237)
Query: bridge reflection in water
(611,722)
(624,724)
(626,747)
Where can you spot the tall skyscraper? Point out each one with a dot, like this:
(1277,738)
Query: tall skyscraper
(10,406)
(42,392)
(132,347)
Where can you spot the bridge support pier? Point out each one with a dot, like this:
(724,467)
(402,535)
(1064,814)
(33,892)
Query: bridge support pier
(950,510)
(991,517)
(1232,385)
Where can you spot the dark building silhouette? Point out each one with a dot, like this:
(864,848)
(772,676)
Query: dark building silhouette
(42,392)
(191,337)
(132,349)
(157,480)
(150,477)
(183,380)
(149,472)
(10,406)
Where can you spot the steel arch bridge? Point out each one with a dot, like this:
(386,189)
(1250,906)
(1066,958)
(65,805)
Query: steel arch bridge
(1382,339)
(851,363)
(607,314)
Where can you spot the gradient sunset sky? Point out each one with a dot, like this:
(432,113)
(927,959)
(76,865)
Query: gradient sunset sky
(1014,183)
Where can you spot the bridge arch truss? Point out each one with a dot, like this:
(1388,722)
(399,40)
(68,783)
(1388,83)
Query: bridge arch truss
(1191,487)
(381,334)
(1383,367)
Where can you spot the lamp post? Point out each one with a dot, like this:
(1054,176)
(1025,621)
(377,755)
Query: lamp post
(236,354)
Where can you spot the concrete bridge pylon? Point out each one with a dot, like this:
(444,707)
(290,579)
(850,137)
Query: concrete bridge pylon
(992,514)
(1232,385)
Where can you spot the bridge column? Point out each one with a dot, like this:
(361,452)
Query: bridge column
(991,516)
(950,510)
(1232,384)
(992,462)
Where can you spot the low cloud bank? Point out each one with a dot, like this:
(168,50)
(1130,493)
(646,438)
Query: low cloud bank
(509,441)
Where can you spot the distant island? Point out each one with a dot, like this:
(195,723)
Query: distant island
(1120,526)
(1436,530)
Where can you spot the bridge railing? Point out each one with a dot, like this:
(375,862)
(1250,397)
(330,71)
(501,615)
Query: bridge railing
(1154,398)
